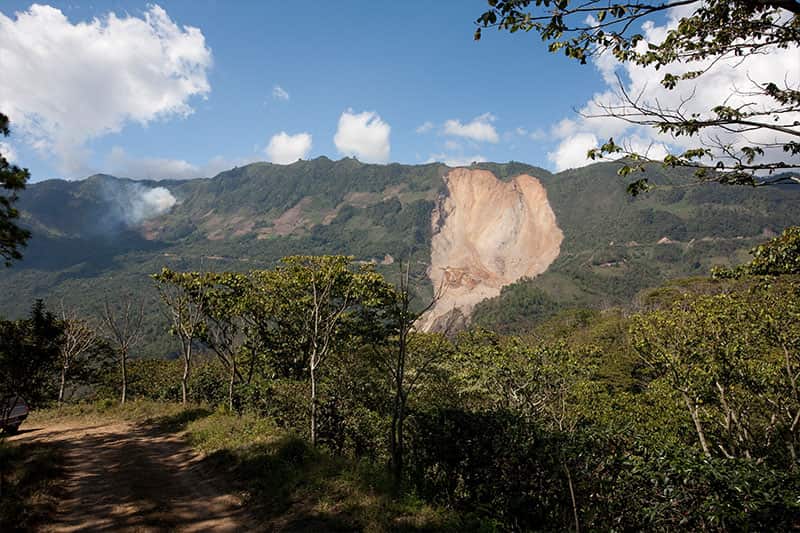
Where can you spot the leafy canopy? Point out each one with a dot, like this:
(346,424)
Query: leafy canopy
(779,256)
(12,180)
(716,30)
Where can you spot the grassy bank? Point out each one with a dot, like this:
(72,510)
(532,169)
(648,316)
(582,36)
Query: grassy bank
(293,486)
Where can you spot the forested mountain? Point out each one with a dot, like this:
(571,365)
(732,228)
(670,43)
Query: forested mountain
(103,236)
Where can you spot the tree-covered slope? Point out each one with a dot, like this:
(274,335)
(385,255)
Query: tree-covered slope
(94,238)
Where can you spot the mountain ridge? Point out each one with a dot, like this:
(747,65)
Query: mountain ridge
(248,217)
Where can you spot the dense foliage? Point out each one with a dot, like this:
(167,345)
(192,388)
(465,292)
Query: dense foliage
(682,415)
(29,350)
(12,180)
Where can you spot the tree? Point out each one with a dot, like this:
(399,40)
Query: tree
(29,350)
(776,257)
(727,148)
(732,358)
(549,383)
(183,296)
(12,180)
(123,325)
(78,338)
(222,297)
(407,355)
(323,304)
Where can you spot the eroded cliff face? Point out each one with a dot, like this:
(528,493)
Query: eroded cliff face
(487,234)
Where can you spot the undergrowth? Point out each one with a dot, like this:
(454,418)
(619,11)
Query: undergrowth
(30,476)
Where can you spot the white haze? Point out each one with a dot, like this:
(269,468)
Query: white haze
(131,204)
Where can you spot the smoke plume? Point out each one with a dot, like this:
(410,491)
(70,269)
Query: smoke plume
(131,204)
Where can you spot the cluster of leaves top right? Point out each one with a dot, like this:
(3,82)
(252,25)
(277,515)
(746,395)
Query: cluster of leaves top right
(714,31)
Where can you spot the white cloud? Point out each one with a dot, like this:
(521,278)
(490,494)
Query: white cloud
(279,93)
(284,148)
(479,129)
(119,163)
(452,145)
(538,134)
(425,127)
(363,135)
(718,84)
(563,128)
(455,161)
(8,152)
(75,82)
(571,153)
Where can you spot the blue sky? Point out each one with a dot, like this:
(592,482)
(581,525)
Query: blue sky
(411,63)
(142,94)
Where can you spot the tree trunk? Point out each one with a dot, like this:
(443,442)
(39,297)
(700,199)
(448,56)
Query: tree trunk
(187,355)
(397,448)
(230,383)
(124,358)
(313,404)
(184,380)
(572,497)
(398,414)
(400,459)
(393,445)
(63,383)
(697,425)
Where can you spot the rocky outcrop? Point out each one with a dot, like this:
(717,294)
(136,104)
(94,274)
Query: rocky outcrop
(487,234)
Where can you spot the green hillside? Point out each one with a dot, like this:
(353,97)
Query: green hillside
(85,247)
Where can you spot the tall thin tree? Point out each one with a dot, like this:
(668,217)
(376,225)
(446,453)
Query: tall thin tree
(404,322)
(184,307)
(123,326)
(77,338)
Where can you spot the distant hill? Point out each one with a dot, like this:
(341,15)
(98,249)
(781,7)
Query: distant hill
(104,235)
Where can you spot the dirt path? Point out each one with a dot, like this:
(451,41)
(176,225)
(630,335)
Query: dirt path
(125,477)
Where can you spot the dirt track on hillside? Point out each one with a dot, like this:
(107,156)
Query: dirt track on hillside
(119,476)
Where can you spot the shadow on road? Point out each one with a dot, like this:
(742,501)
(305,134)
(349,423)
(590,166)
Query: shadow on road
(30,483)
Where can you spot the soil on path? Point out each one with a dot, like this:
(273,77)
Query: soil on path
(120,476)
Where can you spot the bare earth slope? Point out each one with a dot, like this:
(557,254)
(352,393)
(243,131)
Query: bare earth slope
(487,234)
(121,477)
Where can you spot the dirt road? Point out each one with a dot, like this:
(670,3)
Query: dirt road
(132,478)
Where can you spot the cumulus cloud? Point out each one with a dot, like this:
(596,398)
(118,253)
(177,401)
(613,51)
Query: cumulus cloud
(454,160)
(480,129)
(120,163)
(425,127)
(284,148)
(279,93)
(69,82)
(571,152)
(728,80)
(363,135)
